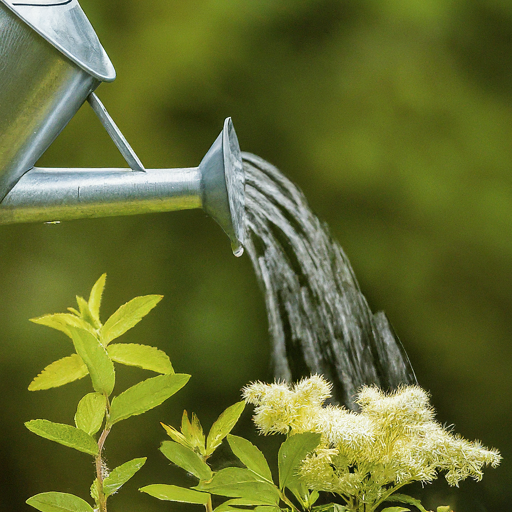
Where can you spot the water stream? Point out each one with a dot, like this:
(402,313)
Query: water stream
(319,321)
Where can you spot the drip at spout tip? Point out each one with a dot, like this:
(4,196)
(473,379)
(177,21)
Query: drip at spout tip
(237,249)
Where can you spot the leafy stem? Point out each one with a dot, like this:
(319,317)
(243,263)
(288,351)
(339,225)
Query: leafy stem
(98,411)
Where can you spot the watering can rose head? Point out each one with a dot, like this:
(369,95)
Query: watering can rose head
(366,456)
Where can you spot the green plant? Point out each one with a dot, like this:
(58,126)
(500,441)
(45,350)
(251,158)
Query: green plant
(97,412)
(251,486)
(363,458)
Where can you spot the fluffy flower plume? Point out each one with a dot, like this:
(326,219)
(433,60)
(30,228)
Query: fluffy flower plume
(365,456)
(281,408)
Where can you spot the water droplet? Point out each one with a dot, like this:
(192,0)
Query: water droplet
(237,249)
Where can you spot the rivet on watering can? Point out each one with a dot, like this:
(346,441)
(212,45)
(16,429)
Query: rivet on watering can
(52,62)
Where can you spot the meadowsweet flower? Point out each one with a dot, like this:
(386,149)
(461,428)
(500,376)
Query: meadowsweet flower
(281,409)
(364,457)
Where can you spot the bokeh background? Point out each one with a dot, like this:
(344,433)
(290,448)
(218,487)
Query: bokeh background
(394,117)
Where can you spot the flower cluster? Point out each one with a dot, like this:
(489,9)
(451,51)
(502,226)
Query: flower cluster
(366,456)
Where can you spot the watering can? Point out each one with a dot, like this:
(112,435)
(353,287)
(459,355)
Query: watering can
(51,62)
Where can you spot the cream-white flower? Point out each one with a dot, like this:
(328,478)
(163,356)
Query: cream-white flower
(365,456)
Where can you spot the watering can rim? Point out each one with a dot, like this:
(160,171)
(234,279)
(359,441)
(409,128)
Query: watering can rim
(94,60)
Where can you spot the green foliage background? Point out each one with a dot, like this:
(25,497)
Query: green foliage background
(395,118)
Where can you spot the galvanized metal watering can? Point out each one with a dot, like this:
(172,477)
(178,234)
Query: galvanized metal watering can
(51,61)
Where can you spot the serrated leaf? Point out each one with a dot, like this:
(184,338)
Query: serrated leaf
(95,356)
(395,509)
(241,483)
(90,412)
(186,459)
(94,491)
(175,493)
(250,456)
(192,431)
(85,313)
(330,507)
(58,502)
(175,435)
(291,453)
(235,503)
(408,500)
(127,316)
(120,475)
(64,434)
(186,429)
(223,426)
(145,396)
(142,356)
(58,373)
(95,298)
(62,322)
(197,434)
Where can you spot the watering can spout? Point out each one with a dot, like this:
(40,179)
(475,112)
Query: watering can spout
(223,186)
(216,186)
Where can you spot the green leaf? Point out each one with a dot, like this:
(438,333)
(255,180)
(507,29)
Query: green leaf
(62,322)
(127,316)
(64,434)
(177,436)
(395,509)
(444,508)
(241,483)
(186,459)
(223,426)
(59,502)
(120,475)
(408,500)
(193,433)
(90,412)
(96,358)
(85,313)
(330,507)
(250,456)
(291,453)
(145,396)
(58,373)
(94,491)
(197,434)
(95,298)
(235,503)
(142,356)
(175,493)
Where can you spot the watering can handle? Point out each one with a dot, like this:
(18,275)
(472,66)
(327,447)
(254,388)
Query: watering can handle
(115,133)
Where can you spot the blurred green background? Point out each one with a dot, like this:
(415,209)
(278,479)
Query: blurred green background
(394,117)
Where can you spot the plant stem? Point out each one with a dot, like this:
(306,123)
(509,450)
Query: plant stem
(284,498)
(387,495)
(102,500)
(208,506)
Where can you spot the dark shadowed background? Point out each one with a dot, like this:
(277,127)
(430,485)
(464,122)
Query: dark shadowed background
(395,118)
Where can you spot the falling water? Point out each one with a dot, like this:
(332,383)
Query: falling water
(319,320)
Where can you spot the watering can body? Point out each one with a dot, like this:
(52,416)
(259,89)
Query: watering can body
(51,62)
(46,74)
